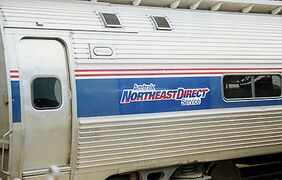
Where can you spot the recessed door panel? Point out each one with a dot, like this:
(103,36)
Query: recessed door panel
(45,101)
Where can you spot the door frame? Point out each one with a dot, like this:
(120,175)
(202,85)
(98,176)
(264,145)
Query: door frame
(17,139)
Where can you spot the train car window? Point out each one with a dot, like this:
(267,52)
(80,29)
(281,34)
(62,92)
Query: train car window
(110,20)
(46,93)
(161,23)
(237,86)
(251,86)
(267,86)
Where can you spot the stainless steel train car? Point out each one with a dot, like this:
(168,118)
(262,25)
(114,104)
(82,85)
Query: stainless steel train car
(148,90)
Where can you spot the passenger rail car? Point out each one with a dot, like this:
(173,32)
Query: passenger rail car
(115,91)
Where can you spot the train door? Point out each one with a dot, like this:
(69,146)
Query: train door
(46,109)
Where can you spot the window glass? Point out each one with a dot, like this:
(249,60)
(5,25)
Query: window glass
(251,86)
(267,86)
(237,86)
(47,93)
(111,20)
(161,23)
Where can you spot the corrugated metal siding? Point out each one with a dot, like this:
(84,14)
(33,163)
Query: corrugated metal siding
(261,6)
(156,48)
(27,17)
(104,143)
(202,36)
(207,37)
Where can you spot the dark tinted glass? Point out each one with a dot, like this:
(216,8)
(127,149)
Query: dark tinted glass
(267,85)
(111,20)
(161,22)
(47,93)
(237,86)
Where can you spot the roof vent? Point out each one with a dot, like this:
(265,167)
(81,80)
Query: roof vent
(111,20)
(161,23)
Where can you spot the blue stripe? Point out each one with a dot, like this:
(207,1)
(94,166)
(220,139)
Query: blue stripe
(16,101)
(101,97)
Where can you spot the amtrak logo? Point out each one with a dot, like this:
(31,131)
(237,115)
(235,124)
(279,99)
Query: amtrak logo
(149,92)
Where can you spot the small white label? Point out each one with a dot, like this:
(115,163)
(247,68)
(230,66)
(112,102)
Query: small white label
(103,51)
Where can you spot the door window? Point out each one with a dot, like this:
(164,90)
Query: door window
(46,93)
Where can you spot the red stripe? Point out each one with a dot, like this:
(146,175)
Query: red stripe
(15,76)
(14,71)
(143,74)
(173,69)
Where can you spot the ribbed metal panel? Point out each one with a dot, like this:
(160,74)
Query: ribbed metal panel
(260,6)
(51,18)
(199,45)
(202,36)
(207,37)
(103,143)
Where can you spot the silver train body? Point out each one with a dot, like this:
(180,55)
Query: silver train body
(100,89)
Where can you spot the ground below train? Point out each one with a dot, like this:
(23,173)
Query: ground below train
(268,167)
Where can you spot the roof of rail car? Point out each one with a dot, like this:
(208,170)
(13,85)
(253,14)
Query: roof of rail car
(84,15)
(196,36)
(245,6)
(253,6)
